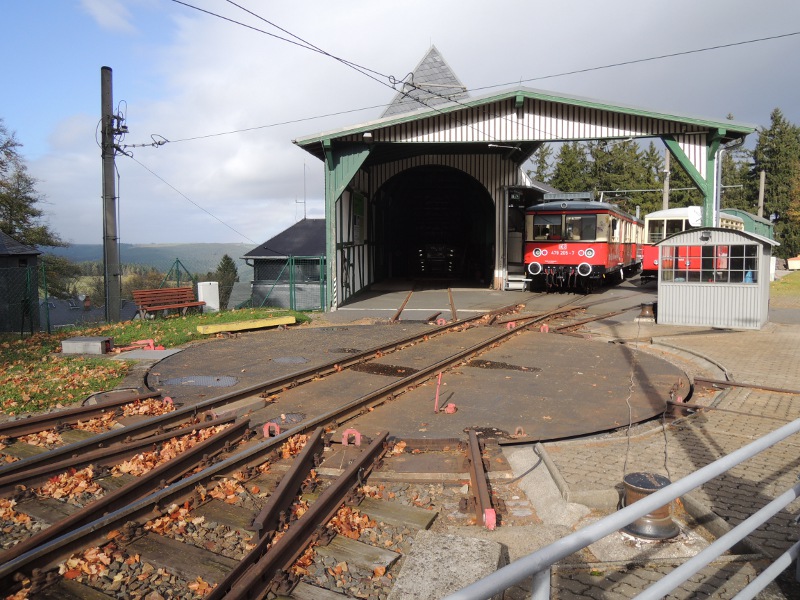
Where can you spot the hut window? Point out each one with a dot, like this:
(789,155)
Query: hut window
(737,263)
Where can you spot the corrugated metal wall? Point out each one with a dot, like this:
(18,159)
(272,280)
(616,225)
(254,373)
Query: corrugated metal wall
(711,305)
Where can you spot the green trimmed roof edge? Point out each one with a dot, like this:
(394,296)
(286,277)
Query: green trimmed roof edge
(730,126)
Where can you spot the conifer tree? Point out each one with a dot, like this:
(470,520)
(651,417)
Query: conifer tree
(571,168)
(777,152)
(20,217)
(226,274)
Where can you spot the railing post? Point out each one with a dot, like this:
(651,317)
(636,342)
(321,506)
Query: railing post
(291,283)
(540,586)
(46,297)
(322,282)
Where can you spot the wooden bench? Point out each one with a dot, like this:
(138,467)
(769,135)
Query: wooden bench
(164,299)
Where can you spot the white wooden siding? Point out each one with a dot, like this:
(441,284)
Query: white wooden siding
(540,120)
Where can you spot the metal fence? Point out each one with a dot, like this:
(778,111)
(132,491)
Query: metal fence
(19,299)
(296,282)
(27,304)
(536,566)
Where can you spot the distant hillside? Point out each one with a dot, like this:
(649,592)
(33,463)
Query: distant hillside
(197,258)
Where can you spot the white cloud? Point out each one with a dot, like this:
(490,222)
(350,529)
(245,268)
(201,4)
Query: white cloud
(109,14)
(200,75)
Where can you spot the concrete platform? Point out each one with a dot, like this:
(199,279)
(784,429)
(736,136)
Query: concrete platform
(440,564)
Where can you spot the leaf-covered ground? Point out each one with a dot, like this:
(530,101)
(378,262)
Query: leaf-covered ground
(35,376)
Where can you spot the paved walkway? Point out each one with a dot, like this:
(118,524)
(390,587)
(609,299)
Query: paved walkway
(591,471)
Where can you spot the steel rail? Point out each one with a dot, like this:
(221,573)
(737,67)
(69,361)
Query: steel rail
(59,418)
(281,499)
(45,554)
(702,407)
(567,307)
(592,319)
(118,452)
(40,556)
(388,392)
(258,578)
(264,388)
(484,513)
(396,316)
(705,382)
(139,488)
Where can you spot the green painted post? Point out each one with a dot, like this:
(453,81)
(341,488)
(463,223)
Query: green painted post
(46,298)
(292,281)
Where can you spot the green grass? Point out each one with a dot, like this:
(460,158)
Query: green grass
(786,286)
(35,376)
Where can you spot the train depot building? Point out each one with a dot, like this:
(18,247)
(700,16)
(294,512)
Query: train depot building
(435,187)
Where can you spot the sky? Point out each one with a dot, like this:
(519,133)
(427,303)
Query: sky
(180,73)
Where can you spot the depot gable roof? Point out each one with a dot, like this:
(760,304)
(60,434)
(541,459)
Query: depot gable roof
(524,115)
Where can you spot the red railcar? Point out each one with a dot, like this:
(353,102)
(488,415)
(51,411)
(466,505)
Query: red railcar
(664,223)
(575,245)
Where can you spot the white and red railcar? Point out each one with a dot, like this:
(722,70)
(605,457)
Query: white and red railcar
(575,245)
(664,223)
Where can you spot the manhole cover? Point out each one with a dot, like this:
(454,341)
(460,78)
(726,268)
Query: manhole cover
(288,419)
(203,380)
(290,360)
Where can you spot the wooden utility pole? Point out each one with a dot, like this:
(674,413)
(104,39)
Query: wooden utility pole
(111,271)
(761,182)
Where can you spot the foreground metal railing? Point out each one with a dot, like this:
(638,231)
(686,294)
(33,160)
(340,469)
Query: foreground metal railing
(538,564)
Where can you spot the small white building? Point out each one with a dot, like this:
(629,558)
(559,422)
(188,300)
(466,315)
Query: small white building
(714,277)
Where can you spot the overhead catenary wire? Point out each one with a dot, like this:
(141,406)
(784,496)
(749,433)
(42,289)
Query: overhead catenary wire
(644,60)
(185,197)
(372,74)
(390,82)
(305,44)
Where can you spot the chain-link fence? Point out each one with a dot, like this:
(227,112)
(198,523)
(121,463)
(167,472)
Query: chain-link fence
(19,299)
(27,303)
(297,282)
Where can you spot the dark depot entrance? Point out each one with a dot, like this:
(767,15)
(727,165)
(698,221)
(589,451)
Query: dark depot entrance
(434,222)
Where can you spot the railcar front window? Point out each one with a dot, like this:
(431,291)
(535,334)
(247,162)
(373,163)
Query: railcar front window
(655,231)
(676,226)
(581,227)
(547,227)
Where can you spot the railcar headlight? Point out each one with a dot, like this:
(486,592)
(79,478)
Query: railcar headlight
(534,268)
(589,252)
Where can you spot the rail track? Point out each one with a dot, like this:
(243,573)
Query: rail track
(274,510)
